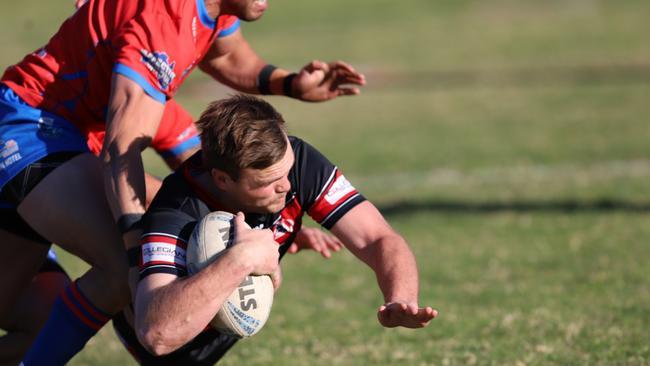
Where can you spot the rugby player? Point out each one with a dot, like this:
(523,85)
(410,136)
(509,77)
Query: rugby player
(249,166)
(33,305)
(104,82)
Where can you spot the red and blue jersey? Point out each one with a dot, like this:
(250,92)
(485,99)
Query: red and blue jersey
(155,43)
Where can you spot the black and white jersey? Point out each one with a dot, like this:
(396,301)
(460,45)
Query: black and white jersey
(318,188)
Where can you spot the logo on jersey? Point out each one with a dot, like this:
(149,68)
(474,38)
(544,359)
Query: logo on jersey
(188,132)
(160,250)
(159,64)
(282,227)
(339,189)
(194,30)
(47,128)
(8,153)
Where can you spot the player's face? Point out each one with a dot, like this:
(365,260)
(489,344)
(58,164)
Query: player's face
(248,10)
(264,190)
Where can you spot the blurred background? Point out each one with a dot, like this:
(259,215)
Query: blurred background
(507,140)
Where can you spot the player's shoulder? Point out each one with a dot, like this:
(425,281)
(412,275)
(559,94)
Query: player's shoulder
(176,193)
(306,155)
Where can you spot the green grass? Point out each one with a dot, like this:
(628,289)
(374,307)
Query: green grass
(506,140)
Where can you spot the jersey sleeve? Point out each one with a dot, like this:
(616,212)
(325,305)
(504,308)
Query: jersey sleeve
(228,24)
(323,190)
(164,242)
(176,133)
(147,49)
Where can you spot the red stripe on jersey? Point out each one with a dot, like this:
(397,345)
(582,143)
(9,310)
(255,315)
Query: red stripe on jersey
(164,263)
(290,221)
(153,238)
(337,192)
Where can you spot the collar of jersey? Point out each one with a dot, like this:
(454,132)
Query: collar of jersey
(203,14)
(191,167)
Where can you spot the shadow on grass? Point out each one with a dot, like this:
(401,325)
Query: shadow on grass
(566,206)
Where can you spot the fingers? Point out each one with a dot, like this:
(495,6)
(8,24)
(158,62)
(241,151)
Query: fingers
(405,315)
(347,73)
(338,71)
(347,91)
(240,224)
(332,242)
(316,240)
(316,65)
(276,278)
(293,249)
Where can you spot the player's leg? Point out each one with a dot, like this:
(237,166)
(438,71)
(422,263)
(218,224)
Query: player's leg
(23,258)
(69,208)
(30,311)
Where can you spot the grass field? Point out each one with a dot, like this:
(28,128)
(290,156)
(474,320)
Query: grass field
(507,140)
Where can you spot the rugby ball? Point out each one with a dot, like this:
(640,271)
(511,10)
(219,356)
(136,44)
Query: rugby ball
(247,308)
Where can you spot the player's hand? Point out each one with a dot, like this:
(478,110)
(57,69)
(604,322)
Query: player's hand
(397,314)
(319,81)
(79,3)
(276,278)
(315,239)
(255,248)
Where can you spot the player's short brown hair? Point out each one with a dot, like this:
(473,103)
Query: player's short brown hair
(241,132)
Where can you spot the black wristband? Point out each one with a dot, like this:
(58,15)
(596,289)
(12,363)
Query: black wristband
(287,84)
(264,79)
(133,256)
(129,222)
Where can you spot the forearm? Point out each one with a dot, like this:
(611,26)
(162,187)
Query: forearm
(240,68)
(170,316)
(124,184)
(395,268)
(153,185)
(133,119)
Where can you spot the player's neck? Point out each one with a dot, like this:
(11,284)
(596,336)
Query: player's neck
(213,7)
(205,181)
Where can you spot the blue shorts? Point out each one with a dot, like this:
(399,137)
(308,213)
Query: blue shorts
(28,134)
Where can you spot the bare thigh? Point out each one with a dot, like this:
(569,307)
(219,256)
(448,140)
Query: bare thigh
(69,208)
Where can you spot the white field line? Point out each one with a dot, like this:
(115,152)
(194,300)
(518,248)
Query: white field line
(575,173)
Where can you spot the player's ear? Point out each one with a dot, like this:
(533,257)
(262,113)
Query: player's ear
(220,178)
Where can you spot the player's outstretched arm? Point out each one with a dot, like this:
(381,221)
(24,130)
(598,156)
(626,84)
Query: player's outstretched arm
(170,311)
(369,237)
(233,62)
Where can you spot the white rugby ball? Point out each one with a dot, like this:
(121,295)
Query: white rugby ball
(247,308)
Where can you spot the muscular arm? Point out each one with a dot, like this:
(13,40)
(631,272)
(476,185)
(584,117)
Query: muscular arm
(133,119)
(233,62)
(170,311)
(369,237)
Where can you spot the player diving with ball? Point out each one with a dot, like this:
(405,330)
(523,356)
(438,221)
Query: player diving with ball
(250,167)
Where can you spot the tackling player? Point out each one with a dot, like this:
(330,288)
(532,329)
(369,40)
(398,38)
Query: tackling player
(248,164)
(105,80)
